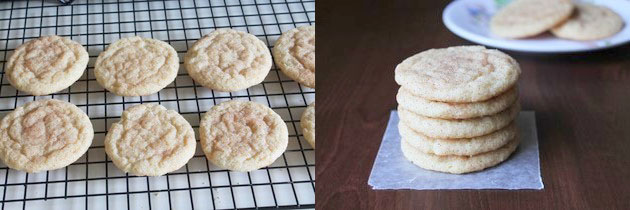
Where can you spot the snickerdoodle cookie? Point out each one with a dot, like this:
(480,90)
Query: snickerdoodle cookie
(308,124)
(150,140)
(525,18)
(46,65)
(589,22)
(459,128)
(242,135)
(44,135)
(445,110)
(294,53)
(228,60)
(136,66)
(461,146)
(456,164)
(458,74)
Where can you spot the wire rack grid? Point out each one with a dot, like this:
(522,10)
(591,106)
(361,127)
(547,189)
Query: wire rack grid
(93,182)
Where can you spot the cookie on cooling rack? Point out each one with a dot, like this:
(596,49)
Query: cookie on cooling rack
(294,53)
(136,66)
(46,65)
(44,135)
(150,140)
(242,135)
(228,60)
(307,122)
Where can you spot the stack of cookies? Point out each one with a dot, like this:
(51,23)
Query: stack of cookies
(457,107)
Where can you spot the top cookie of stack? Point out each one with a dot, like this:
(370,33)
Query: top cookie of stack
(456,108)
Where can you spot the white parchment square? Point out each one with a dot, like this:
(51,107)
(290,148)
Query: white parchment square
(520,171)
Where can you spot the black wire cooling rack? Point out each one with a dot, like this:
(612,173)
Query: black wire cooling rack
(93,182)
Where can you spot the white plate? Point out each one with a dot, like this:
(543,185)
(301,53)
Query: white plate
(469,19)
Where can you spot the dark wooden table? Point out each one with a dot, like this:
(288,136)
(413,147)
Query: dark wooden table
(582,104)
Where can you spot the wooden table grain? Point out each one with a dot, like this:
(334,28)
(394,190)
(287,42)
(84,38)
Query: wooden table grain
(582,105)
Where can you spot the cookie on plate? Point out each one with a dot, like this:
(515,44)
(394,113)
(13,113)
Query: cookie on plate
(526,18)
(136,66)
(458,74)
(242,135)
(228,60)
(456,164)
(294,53)
(308,124)
(589,22)
(150,140)
(462,146)
(446,110)
(46,65)
(44,135)
(462,128)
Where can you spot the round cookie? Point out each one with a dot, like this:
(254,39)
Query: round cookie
(242,135)
(462,74)
(308,124)
(46,65)
(294,53)
(464,128)
(44,135)
(446,110)
(589,22)
(150,140)
(228,60)
(525,18)
(465,146)
(458,164)
(136,66)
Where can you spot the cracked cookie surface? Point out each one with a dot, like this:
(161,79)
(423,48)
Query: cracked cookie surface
(44,135)
(136,66)
(46,65)
(308,124)
(150,140)
(242,135)
(458,74)
(294,53)
(228,60)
